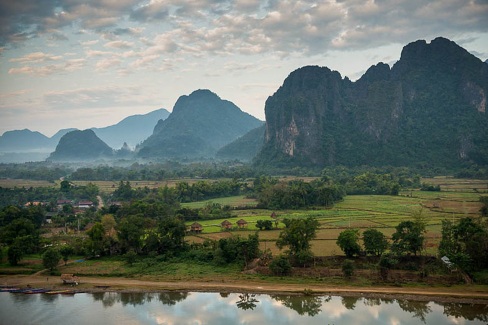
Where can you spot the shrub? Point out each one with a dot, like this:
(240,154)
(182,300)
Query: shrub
(348,268)
(280,265)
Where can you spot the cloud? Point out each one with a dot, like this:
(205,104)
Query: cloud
(249,26)
(66,66)
(36,57)
(119,44)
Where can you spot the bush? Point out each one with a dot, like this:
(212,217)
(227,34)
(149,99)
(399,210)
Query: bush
(280,265)
(348,268)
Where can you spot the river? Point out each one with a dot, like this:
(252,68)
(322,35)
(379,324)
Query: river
(213,308)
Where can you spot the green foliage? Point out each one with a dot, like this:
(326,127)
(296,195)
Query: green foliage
(130,231)
(465,243)
(348,268)
(130,257)
(51,258)
(370,183)
(296,194)
(280,265)
(297,235)
(237,249)
(15,254)
(264,224)
(386,263)
(408,238)
(375,242)
(66,251)
(430,187)
(348,241)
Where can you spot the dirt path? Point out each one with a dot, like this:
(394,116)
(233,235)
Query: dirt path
(468,294)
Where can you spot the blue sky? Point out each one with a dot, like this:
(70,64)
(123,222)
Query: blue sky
(70,63)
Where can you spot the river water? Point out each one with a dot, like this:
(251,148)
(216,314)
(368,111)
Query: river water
(214,308)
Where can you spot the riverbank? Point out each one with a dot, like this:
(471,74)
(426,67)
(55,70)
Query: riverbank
(460,293)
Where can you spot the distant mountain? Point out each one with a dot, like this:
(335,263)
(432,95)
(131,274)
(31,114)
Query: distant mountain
(81,146)
(199,125)
(429,109)
(23,140)
(132,130)
(244,148)
(56,137)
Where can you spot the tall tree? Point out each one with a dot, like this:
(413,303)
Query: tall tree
(375,242)
(348,241)
(297,235)
(408,238)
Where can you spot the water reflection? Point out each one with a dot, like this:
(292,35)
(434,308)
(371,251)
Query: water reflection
(171,298)
(467,311)
(108,299)
(350,302)
(303,305)
(419,309)
(111,308)
(247,301)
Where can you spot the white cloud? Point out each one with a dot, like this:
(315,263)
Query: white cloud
(119,44)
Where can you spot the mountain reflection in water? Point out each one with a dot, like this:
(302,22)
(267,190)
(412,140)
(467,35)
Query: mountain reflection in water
(229,308)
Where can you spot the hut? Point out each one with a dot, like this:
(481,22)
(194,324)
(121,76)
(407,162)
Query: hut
(69,279)
(226,224)
(196,227)
(242,223)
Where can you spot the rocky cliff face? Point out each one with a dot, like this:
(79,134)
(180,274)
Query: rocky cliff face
(430,107)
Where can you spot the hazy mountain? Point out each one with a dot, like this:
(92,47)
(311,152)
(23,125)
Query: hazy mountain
(132,130)
(428,109)
(23,140)
(244,148)
(199,125)
(58,135)
(81,146)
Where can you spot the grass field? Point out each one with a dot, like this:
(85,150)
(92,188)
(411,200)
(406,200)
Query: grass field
(362,212)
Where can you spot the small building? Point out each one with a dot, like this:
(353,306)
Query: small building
(69,279)
(226,224)
(196,227)
(242,223)
(85,204)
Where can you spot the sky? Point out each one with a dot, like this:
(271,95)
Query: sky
(82,64)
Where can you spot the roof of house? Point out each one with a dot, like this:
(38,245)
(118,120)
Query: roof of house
(242,222)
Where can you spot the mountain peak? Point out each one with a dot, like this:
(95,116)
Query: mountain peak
(199,124)
(81,145)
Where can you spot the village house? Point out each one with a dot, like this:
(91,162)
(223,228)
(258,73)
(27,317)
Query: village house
(85,204)
(242,223)
(226,224)
(196,227)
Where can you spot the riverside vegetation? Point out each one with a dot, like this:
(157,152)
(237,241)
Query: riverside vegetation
(357,227)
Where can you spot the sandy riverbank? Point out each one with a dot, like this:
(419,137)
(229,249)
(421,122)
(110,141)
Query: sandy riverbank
(463,294)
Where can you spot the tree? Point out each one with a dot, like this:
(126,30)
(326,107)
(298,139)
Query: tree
(408,238)
(297,234)
(65,252)
(50,258)
(264,224)
(14,254)
(97,236)
(348,241)
(171,232)
(130,231)
(375,242)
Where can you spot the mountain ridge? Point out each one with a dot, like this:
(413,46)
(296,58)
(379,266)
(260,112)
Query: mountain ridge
(428,108)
